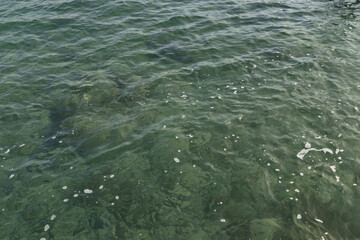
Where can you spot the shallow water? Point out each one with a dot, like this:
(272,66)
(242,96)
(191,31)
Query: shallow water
(179,120)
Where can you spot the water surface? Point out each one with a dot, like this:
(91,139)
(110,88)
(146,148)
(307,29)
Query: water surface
(179,119)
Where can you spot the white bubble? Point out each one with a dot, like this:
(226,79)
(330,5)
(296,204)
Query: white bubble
(112,175)
(117,197)
(64,187)
(333,168)
(76,195)
(176,160)
(101,187)
(11,176)
(298,216)
(297,190)
(66,200)
(52,217)
(222,220)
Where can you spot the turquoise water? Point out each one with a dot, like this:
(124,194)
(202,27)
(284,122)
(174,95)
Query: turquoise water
(179,119)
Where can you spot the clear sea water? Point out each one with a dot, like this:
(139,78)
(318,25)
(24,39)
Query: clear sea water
(138,119)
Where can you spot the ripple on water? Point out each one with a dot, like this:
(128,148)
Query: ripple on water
(148,118)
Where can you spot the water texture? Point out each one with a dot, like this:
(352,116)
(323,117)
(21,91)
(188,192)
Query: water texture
(179,119)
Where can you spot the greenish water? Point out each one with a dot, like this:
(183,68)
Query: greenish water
(179,119)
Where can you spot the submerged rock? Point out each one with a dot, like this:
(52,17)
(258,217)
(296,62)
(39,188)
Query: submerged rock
(268,228)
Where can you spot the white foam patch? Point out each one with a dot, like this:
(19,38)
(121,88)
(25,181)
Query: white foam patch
(319,220)
(66,200)
(333,168)
(52,218)
(308,148)
(88,191)
(176,160)
(101,187)
(337,178)
(11,176)
(64,187)
(222,220)
(299,216)
(7,151)
(47,227)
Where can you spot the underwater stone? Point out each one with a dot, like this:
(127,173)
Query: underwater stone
(265,228)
